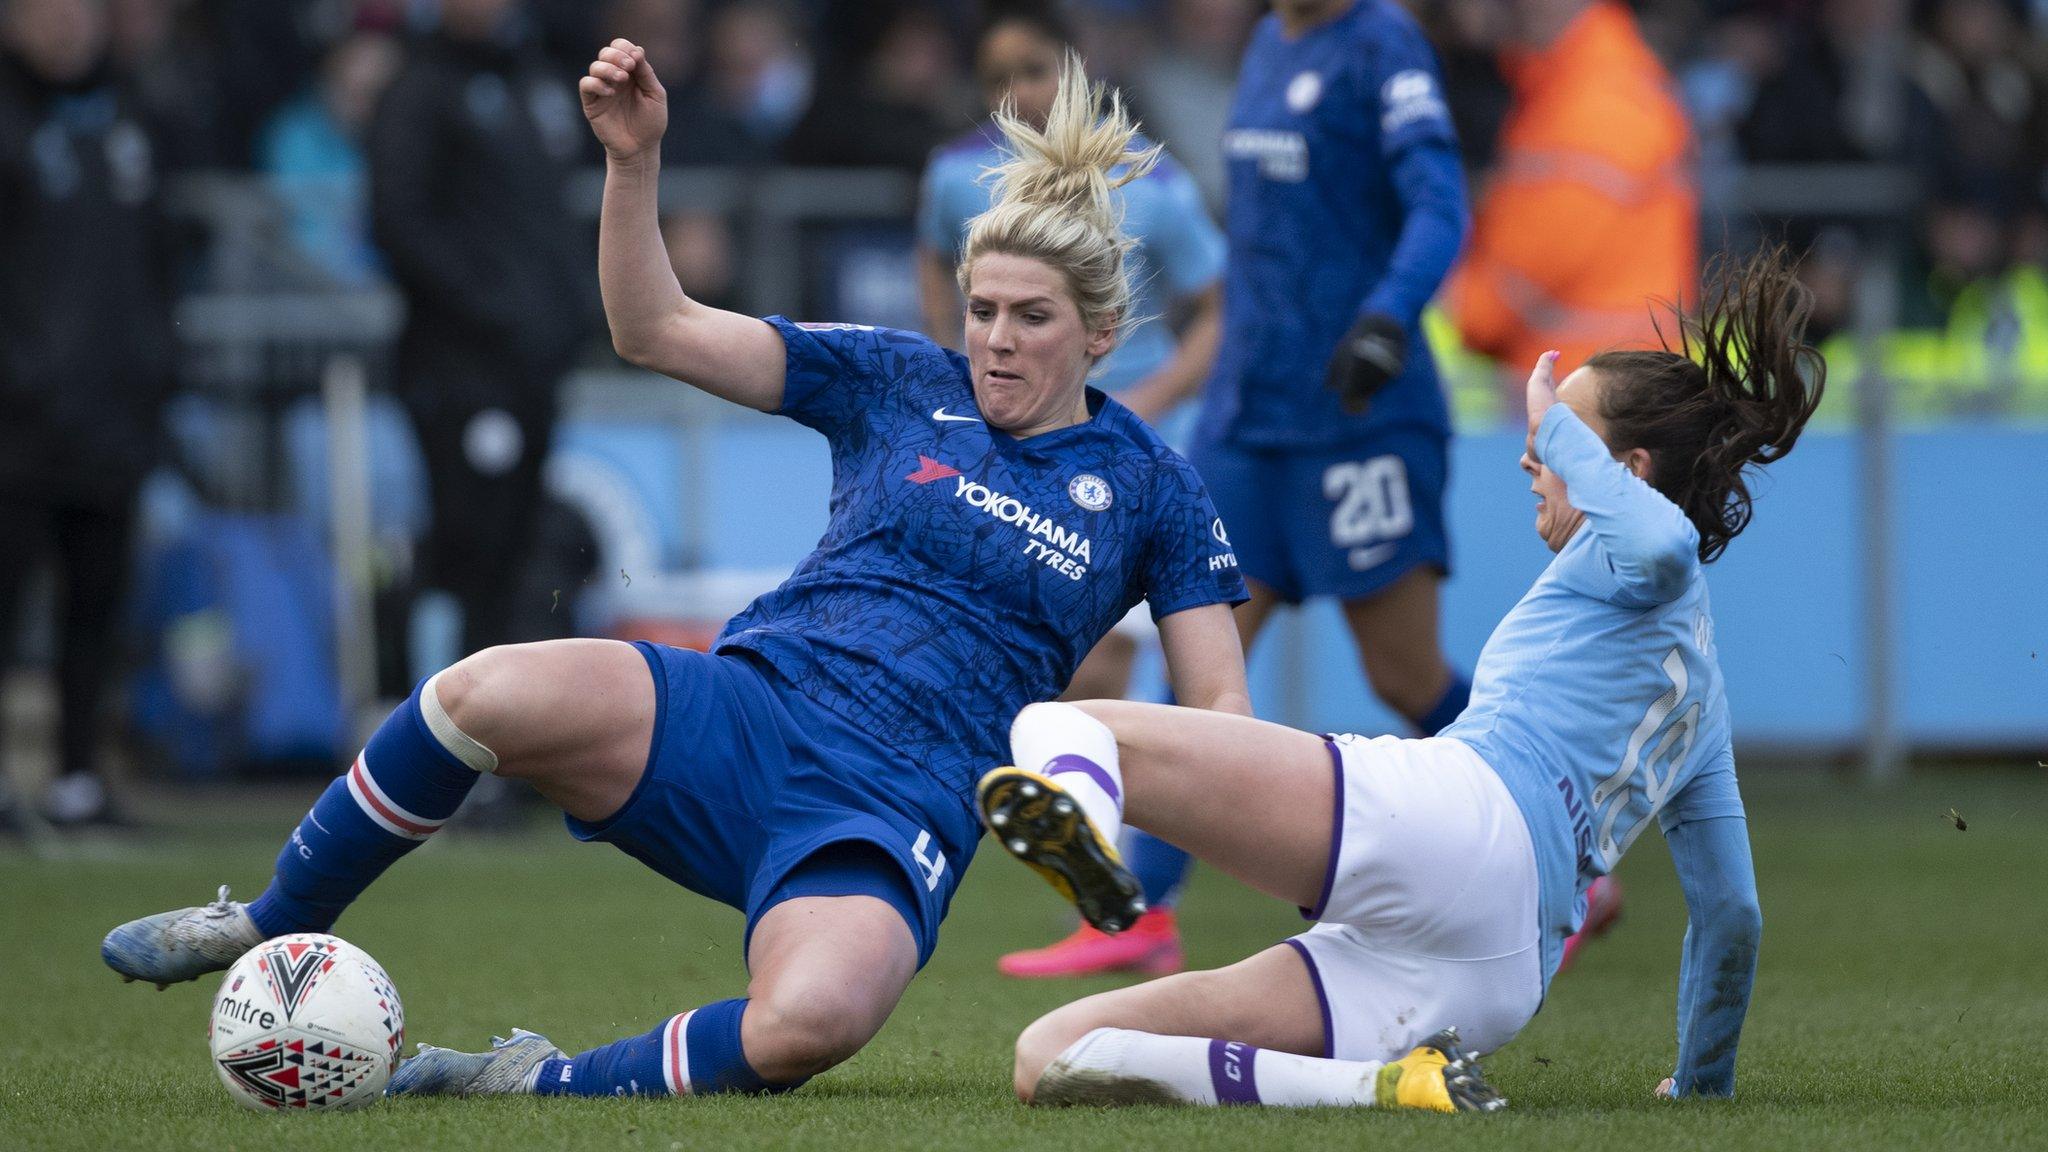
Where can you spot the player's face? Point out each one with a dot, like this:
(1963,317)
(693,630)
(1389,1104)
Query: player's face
(1018,61)
(1556,519)
(1026,345)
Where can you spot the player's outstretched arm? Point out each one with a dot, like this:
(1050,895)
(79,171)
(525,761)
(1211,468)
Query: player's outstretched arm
(1205,659)
(653,323)
(1724,927)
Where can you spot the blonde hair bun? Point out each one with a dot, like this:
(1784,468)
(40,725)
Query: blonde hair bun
(1054,196)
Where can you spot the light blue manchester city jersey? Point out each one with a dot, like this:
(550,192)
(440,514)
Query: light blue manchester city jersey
(1598,698)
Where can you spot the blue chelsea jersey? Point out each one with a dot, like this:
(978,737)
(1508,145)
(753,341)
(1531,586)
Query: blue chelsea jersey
(964,573)
(1346,197)
(1179,249)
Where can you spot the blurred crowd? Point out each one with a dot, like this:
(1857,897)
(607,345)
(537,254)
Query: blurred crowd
(1953,90)
(433,146)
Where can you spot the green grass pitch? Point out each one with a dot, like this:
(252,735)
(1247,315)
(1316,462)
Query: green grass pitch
(1902,1000)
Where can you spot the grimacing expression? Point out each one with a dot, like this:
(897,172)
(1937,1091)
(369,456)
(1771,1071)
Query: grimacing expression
(1027,347)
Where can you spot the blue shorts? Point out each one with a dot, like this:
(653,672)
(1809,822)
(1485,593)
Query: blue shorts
(1343,522)
(754,795)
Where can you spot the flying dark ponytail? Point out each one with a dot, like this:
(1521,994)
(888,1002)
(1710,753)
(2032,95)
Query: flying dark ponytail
(1735,392)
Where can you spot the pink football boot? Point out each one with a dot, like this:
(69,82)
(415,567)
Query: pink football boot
(1151,947)
(1603,908)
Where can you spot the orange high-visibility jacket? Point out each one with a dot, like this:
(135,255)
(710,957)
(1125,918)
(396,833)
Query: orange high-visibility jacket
(1591,215)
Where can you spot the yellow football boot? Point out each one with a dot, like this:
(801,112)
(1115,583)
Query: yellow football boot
(1438,1076)
(1040,823)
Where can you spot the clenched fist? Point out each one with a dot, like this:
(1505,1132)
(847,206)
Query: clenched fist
(625,103)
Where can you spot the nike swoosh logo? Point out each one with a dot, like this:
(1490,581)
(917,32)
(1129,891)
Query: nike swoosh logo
(1373,557)
(941,414)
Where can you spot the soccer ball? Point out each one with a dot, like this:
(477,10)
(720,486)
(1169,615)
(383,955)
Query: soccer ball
(306,1022)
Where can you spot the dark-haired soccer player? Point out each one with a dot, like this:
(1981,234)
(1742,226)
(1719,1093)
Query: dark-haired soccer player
(1445,874)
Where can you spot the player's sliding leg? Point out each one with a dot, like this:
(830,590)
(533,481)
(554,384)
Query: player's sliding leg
(574,717)
(1247,1034)
(826,973)
(1059,809)
(1253,798)
(1151,944)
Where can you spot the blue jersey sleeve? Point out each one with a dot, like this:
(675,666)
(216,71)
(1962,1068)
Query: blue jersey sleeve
(1724,927)
(1420,147)
(1645,551)
(1188,559)
(1187,246)
(834,372)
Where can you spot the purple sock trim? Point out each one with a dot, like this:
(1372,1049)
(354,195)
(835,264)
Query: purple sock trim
(1073,763)
(1336,835)
(1315,976)
(1230,1070)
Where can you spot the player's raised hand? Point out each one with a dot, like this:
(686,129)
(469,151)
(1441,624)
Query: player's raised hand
(1542,393)
(624,101)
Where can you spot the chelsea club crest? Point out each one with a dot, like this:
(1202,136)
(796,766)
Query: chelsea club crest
(1090,491)
(1303,91)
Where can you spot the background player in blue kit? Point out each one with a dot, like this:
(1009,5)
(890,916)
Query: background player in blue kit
(991,518)
(1446,873)
(1174,268)
(1324,436)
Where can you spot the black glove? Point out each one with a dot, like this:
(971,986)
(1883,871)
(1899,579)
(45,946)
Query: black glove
(1369,356)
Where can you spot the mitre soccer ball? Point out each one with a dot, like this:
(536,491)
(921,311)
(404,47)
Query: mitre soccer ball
(306,1023)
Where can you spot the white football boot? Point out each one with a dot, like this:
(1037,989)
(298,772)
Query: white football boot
(173,947)
(508,1069)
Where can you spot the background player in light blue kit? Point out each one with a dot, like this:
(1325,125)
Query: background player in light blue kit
(1175,267)
(991,518)
(1445,874)
(1324,436)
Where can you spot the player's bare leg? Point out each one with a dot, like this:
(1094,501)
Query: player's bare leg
(826,973)
(1248,796)
(1105,672)
(1252,615)
(1251,797)
(1251,1033)
(1397,633)
(574,718)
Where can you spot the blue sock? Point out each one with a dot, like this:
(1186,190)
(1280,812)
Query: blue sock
(696,1053)
(402,788)
(1160,867)
(1456,695)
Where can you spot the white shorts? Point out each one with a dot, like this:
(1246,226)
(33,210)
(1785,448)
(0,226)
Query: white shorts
(1428,912)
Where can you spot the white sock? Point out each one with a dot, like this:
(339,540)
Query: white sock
(1109,1062)
(1079,751)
